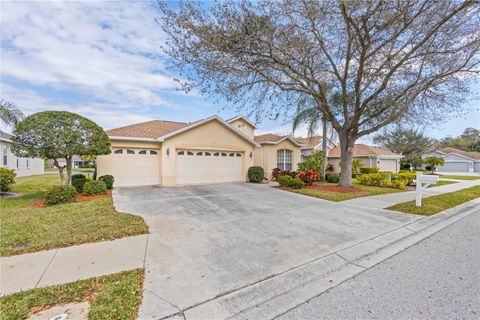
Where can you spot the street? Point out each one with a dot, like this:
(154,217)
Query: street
(439,278)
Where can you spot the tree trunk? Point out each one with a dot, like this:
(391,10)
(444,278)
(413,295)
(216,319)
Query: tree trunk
(60,171)
(346,148)
(69,169)
(324,146)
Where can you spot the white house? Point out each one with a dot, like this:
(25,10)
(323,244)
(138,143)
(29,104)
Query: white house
(22,166)
(311,144)
(456,160)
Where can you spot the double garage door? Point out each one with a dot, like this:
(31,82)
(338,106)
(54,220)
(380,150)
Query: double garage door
(197,166)
(454,167)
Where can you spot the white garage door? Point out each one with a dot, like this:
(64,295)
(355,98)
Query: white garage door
(454,167)
(136,167)
(209,166)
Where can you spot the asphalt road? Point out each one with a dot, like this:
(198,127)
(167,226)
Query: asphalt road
(439,278)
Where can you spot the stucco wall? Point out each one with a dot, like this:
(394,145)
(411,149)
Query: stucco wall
(266,156)
(23,166)
(392,165)
(243,126)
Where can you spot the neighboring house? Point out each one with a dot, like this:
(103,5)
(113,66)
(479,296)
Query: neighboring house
(312,144)
(276,151)
(206,151)
(22,166)
(76,162)
(382,158)
(456,160)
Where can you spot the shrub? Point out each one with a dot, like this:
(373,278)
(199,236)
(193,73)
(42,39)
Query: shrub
(329,167)
(60,194)
(308,176)
(255,174)
(93,187)
(406,177)
(356,175)
(293,174)
(277,172)
(332,177)
(284,181)
(296,183)
(399,184)
(78,180)
(314,162)
(7,179)
(108,179)
(368,170)
(375,179)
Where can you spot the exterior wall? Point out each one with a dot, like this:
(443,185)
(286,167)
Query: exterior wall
(210,136)
(392,165)
(454,166)
(266,156)
(23,166)
(476,166)
(243,126)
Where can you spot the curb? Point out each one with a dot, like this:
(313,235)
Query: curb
(275,296)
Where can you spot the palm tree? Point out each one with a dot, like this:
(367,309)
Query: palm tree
(9,113)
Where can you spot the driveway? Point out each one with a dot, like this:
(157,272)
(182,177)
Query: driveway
(210,240)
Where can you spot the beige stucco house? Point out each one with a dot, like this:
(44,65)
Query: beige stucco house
(382,158)
(176,153)
(311,144)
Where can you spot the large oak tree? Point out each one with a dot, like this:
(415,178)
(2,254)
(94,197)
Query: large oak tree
(385,59)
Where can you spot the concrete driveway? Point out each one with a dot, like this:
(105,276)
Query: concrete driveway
(210,240)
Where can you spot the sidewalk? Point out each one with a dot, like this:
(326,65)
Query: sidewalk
(57,266)
(387,200)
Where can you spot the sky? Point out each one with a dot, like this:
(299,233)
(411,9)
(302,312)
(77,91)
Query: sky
(103,60)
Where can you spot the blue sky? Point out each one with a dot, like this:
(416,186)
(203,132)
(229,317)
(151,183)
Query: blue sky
(103,60)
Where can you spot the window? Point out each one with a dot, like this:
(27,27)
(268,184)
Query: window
(231,155)
(130,151)
(180,153)
(216,154)
(189,153)
(18,163)
(199,153)
(208,154)
(239,154)
(153,152)
(119,151)
(284,159)
(224,154)
(5,158)
(28,165)
(142,152)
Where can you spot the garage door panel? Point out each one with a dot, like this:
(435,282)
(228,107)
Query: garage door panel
(136,170)
(454,167)
(203,168)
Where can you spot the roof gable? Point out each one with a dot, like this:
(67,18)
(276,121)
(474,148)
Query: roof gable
(467,154)
(150,129)
(246,120)
(271,138)
(363,150)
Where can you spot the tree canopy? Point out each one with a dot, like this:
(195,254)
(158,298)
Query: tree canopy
(59,135)
(469,140)
(386,60)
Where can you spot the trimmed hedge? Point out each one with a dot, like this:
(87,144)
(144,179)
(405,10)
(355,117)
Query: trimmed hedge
(288,181)
(92,188)
(368,170)
(78,180)
(332,177)
(387,179)
(296,183)
(60,194)
(7,179)
(256,174)
(108,179)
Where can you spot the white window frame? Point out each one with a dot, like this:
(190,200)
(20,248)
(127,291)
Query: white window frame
(285,159)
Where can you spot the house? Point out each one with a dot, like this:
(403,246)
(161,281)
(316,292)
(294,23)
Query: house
(23,166)
(77,162)
(382,158)
(210,150)
(456,160)
(312,144)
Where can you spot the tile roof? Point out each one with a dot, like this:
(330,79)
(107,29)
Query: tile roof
(363,150)
(149,129)
(268,137)
(310,142)
(468,154)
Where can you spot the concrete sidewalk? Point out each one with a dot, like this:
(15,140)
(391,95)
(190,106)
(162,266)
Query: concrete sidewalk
(386,200)
(57,266)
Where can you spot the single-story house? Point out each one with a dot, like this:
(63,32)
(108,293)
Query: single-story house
(77,162)
(210,150)
(382,158)
(456,160)
(23,166)
(312,144)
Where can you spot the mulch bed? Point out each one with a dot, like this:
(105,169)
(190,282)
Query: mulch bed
(79,197)
(334,189)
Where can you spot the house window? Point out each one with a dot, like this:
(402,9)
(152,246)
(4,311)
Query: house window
(153,152)
(18,163)
(208,154)
(28,164)
(224,154)
(231,155)
(130,151)
(199,153)
(216,154)
(189,153)
(180,153)
(119,151)
(142,152)
(284,159)
(5,158)
(239,154)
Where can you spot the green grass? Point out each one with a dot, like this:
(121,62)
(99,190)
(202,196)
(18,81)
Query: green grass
(436,204)
(461,177)
(73,169)
(115,297)
(25,229)
(339,196)
(441,183)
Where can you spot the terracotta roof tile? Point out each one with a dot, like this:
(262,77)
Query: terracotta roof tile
(268,137)
(310,142)
(363,150)
(149,129)
(468,154)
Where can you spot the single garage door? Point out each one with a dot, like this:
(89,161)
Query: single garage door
(195,166)
(133,167)
(454,167)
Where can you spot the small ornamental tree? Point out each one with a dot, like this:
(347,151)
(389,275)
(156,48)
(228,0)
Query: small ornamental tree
(314,162)
(59,135)
(432,162)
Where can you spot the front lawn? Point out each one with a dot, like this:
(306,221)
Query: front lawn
(441,183)
(331,191)
(27,229)
(461,177)
(73,169)
(113,297)
(436,204)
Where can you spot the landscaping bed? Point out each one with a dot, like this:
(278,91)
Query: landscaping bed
(78,197)
(111,297)
(436,204)
(28,229)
